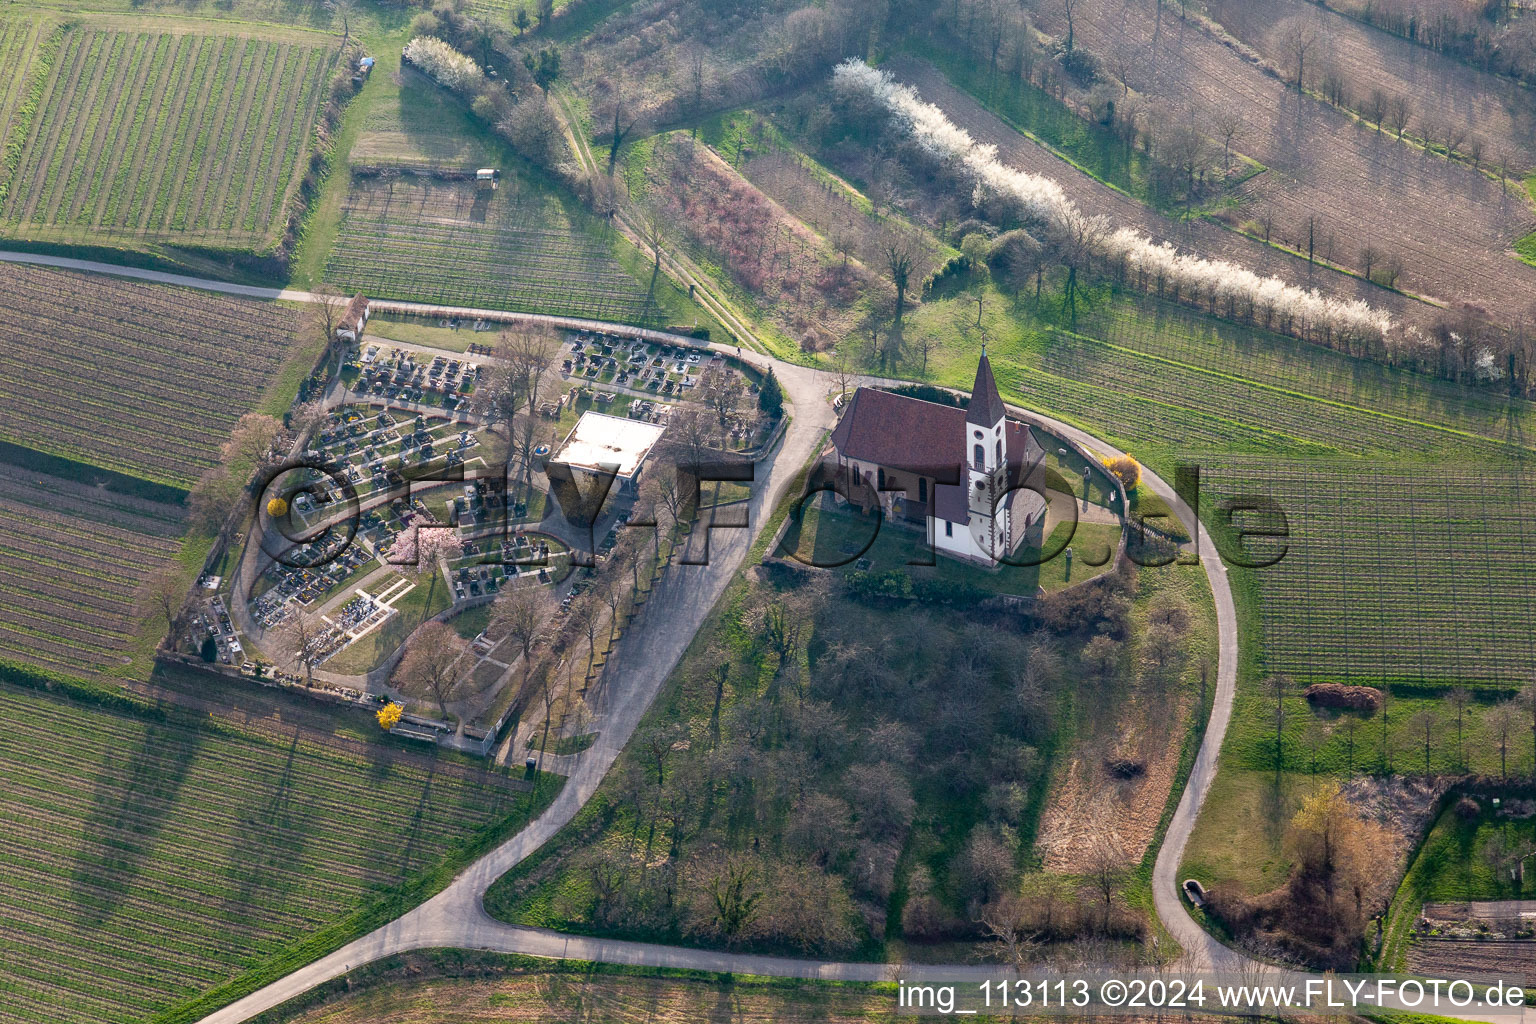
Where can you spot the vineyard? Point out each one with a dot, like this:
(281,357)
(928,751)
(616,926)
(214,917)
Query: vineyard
(1410,575)
(161,136)
(72,559)
(1171,332)
(139,378)
(516,248)
(1214,393)
(148,860)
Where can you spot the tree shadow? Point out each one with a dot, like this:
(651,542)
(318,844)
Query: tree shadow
(133,800)
(417,819)
(268,841)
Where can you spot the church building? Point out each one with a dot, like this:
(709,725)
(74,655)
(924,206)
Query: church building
(969,476)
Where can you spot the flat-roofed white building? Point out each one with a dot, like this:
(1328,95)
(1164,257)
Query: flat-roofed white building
(600,446)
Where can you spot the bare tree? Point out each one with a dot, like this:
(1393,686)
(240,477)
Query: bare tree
(1278,686)
(521,614)
(326,305)
(1398,113)
(1374,108)
(1504,719)
(903,256)
(431,662)
(1299,38)
(251,441)
(1069,8)
(1076,238)
(343,10)
(691,437)
(842,372)
(698,58)
(303,633)
(212,500)
(1368,258)
(1105,867)
(1391,270)
(1007,924)
(531,353)
(1459,698)
(721,391)
(1228,123)
(308,417)
(1454,133)
(652,233)
(165,592)
(622,125)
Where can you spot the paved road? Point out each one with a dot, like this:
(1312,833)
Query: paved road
(455,916)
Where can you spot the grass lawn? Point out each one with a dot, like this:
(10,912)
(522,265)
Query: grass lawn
(415,331)
(471,622)
(1239,837)
(430,596)
(841,539)
(1525,248)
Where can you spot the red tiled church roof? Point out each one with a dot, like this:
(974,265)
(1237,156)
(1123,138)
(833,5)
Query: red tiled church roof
(929,439)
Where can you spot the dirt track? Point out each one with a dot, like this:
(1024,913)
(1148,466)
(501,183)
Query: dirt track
(1451,226)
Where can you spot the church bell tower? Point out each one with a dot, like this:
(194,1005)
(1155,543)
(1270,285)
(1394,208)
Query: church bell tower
(986,449)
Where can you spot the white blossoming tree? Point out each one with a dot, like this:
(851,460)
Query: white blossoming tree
(1217,284)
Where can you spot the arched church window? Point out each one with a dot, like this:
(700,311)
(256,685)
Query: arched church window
(979,457)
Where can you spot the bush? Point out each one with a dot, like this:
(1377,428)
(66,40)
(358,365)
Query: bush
(1081,65)
(1127,469)
(446,66)
(928,393)
(1124,767)
(892,585)
(951,269)
(1347,698)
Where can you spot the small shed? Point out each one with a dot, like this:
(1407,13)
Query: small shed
(488,177)
(353,319)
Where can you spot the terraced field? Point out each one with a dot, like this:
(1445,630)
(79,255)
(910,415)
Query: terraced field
(1414,575)
(71,560)
(138,378)
(430,240)
(163,136)
(147,860)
